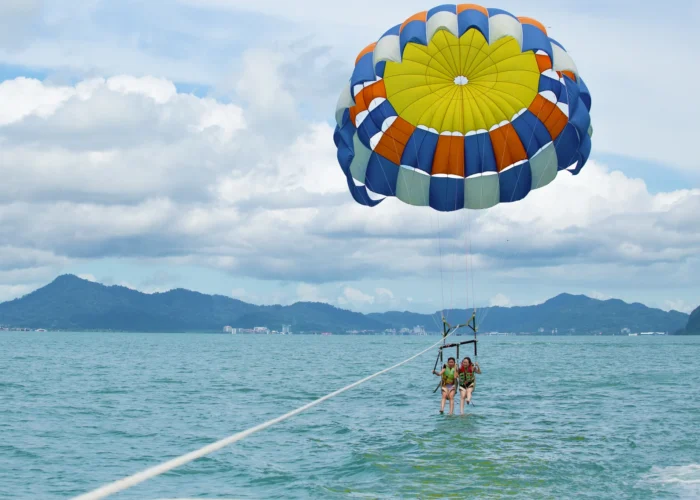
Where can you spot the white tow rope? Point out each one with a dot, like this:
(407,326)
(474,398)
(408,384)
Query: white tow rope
(128,482)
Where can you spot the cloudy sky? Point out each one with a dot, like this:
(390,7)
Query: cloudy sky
(188,143)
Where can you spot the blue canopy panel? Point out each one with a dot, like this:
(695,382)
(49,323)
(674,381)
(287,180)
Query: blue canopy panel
(478,154)
(584,153)
(446,193)
(346,153)
(380,68)
(379,114)
(394,30)
(580,119)
(363,72)
(451,8)
(495,12)
(413,32)
(573,94)
(532,132)
(547,83)
(368,129)
(567,146)
(337,138)
(381,65)
(534,39)
(585,94)
(360,194)
(471,18)
(343,139)
(515,183)
(562,94)
(420,150)
(552,40)
(382,175)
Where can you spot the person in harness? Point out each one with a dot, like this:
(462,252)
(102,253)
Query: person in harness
(449,376)
(467,381)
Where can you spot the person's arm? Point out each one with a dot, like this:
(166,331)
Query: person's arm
(478,368)
(439,374)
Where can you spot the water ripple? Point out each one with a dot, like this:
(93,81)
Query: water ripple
(553,418)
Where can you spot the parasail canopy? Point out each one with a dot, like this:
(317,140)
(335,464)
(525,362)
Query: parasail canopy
(461,107)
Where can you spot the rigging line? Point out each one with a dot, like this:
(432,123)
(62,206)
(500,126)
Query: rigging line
(467,240)
(426,202)
(470,262)
(453,267)
(157,470)
(485,314)
(442,280)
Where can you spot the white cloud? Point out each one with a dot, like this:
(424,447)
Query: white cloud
(227,200)
(25,269)
(88,277)
(384,296)
(679,305)
(13,258)
(629,101)
(309,293)
(22,97)
(262,87)
(128,166)
(148,289)
(9,292)
(121,139)
(253,298)
(500,300)
(354,298)
(16,19)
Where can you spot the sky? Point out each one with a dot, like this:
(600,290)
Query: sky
(188,144)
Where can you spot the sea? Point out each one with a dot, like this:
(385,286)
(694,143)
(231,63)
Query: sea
(553,417)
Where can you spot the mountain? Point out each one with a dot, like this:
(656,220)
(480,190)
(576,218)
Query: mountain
(693,326)
(565,313)
(71,303)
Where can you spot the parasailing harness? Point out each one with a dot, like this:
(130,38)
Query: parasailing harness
(448,330)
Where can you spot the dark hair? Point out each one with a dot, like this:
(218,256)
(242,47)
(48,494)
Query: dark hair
(453,359)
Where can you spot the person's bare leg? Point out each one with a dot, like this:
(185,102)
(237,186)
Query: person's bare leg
(452,401)
(469,395)
(444,398)
(462,399)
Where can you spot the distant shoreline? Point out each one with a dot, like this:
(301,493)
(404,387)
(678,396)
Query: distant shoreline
(70,303)
(343,334)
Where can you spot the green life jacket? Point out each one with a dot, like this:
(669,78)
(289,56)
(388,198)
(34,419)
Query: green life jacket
(448,377)
(466,377)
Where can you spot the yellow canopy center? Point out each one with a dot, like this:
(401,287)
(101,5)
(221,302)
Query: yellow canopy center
(462,84)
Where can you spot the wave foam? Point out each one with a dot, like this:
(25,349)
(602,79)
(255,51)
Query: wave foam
(685,479)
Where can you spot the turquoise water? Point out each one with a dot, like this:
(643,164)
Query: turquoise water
(554,418)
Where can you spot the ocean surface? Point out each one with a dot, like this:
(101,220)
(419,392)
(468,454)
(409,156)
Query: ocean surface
(554,417)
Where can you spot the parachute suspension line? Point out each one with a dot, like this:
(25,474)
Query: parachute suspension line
(426,202)
(442,278)
(128,482)
(470,267)
(542,172)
